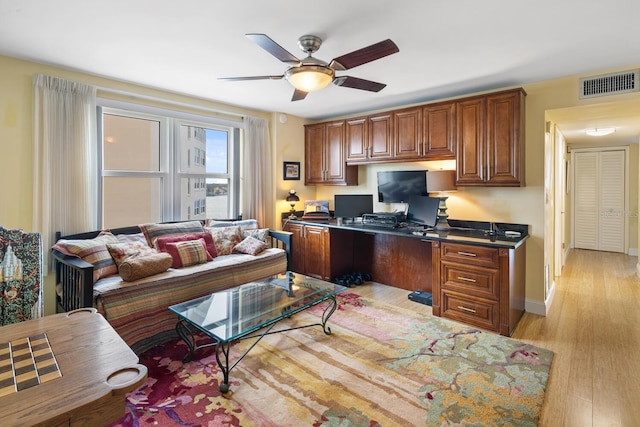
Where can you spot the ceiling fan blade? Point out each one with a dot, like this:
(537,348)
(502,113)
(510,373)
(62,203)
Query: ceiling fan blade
(273,48)
(298,95)
(251,78)
(364,55)
(356,83)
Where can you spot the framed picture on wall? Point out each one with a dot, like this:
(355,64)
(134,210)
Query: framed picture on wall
(291,171)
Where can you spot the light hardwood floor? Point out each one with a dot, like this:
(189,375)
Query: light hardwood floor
(593,328)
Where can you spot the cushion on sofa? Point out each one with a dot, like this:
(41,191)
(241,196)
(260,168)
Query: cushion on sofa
(153,231)
(258,233)
(161,242)
(137,267)
(188,252)
(244,224)
(251,246)
(121,251)
(225,238)
(94,251)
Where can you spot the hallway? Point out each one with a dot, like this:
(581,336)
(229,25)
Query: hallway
(593,328)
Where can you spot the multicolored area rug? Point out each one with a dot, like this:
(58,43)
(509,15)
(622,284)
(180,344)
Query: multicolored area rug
(381,366)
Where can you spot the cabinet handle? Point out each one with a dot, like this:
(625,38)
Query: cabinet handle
(466,279)
(470,310)
(466,254)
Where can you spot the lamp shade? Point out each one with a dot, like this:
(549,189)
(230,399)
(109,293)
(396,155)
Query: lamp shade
(292,196)
(442,180)
(309,78)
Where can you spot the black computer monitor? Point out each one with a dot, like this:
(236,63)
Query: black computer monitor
(423,210)
(352,205)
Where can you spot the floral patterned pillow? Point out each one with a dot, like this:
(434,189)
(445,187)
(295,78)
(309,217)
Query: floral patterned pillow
(251,246)
(225,238)
(121,251)
(258,233)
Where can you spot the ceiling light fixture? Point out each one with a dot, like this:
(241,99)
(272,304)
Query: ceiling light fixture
(600,131)
(309,78)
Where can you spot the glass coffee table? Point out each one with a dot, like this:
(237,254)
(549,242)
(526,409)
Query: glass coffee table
(251,311)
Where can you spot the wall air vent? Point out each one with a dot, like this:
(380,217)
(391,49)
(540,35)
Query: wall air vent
(609,84)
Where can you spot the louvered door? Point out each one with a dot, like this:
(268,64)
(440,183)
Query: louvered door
(599,200)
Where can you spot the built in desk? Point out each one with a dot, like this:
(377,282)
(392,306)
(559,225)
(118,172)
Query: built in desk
(476,277)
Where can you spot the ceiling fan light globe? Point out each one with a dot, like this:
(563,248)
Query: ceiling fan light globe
(309,78)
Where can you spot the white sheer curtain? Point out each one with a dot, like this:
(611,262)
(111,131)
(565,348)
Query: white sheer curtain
(257,184)
(65,159)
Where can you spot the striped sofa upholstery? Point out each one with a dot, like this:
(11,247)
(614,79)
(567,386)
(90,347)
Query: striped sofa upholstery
(139,310)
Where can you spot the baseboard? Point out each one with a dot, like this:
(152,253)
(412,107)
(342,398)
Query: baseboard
(542,308)
(633,251)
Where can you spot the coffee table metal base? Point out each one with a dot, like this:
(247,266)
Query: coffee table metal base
(187,334)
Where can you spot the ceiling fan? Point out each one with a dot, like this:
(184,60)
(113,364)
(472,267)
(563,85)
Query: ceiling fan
(311,74)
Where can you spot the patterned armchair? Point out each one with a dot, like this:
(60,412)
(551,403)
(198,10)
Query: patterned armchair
(20,276)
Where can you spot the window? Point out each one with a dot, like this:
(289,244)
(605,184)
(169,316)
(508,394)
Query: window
(159,167)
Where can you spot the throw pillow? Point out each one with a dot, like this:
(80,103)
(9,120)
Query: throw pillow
(161,242)
(258,233)
(189,252)
(153,231)
(137,237)
(94,251)
(250,245)
(121,251)
(134,268)
(225,238)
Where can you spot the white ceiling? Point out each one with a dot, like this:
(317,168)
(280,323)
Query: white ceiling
(447,48)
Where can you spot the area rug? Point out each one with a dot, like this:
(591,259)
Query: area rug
(381,366)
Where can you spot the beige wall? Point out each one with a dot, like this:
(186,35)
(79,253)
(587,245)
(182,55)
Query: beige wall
(519,205)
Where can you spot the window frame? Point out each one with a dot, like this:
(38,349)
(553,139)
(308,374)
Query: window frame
(169,162)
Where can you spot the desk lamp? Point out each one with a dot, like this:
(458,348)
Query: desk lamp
(441,182)
(292,198)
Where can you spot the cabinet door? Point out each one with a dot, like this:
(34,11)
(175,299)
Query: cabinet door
(316,241)
(505,133)
(470,141)
(298,246)
(335,164)
(380,137)
(314,151)
(439,130)
(407,134)
(357,139)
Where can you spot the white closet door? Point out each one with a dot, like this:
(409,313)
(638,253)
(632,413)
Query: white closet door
(611,206)
(586,201)
(599,201)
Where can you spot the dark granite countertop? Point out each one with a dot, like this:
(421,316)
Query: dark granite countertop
(470,232)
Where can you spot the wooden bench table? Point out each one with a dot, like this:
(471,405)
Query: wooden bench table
(68,369)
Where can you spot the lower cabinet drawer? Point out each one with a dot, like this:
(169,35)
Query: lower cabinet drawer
(471,310)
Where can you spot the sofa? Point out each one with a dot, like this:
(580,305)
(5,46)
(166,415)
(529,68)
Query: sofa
(131,277)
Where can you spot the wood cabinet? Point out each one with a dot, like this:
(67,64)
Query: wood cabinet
(479,285)
(325,161)
(369,139)
(439,131)
(407,134)
(490,140)
(320,252)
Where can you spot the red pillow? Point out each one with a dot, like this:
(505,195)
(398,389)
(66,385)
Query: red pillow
(188,252)
(161,242)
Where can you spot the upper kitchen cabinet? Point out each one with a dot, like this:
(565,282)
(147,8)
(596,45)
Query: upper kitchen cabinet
(490,139)
(325,161)
(369,139)
(439,131)
(407,134)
